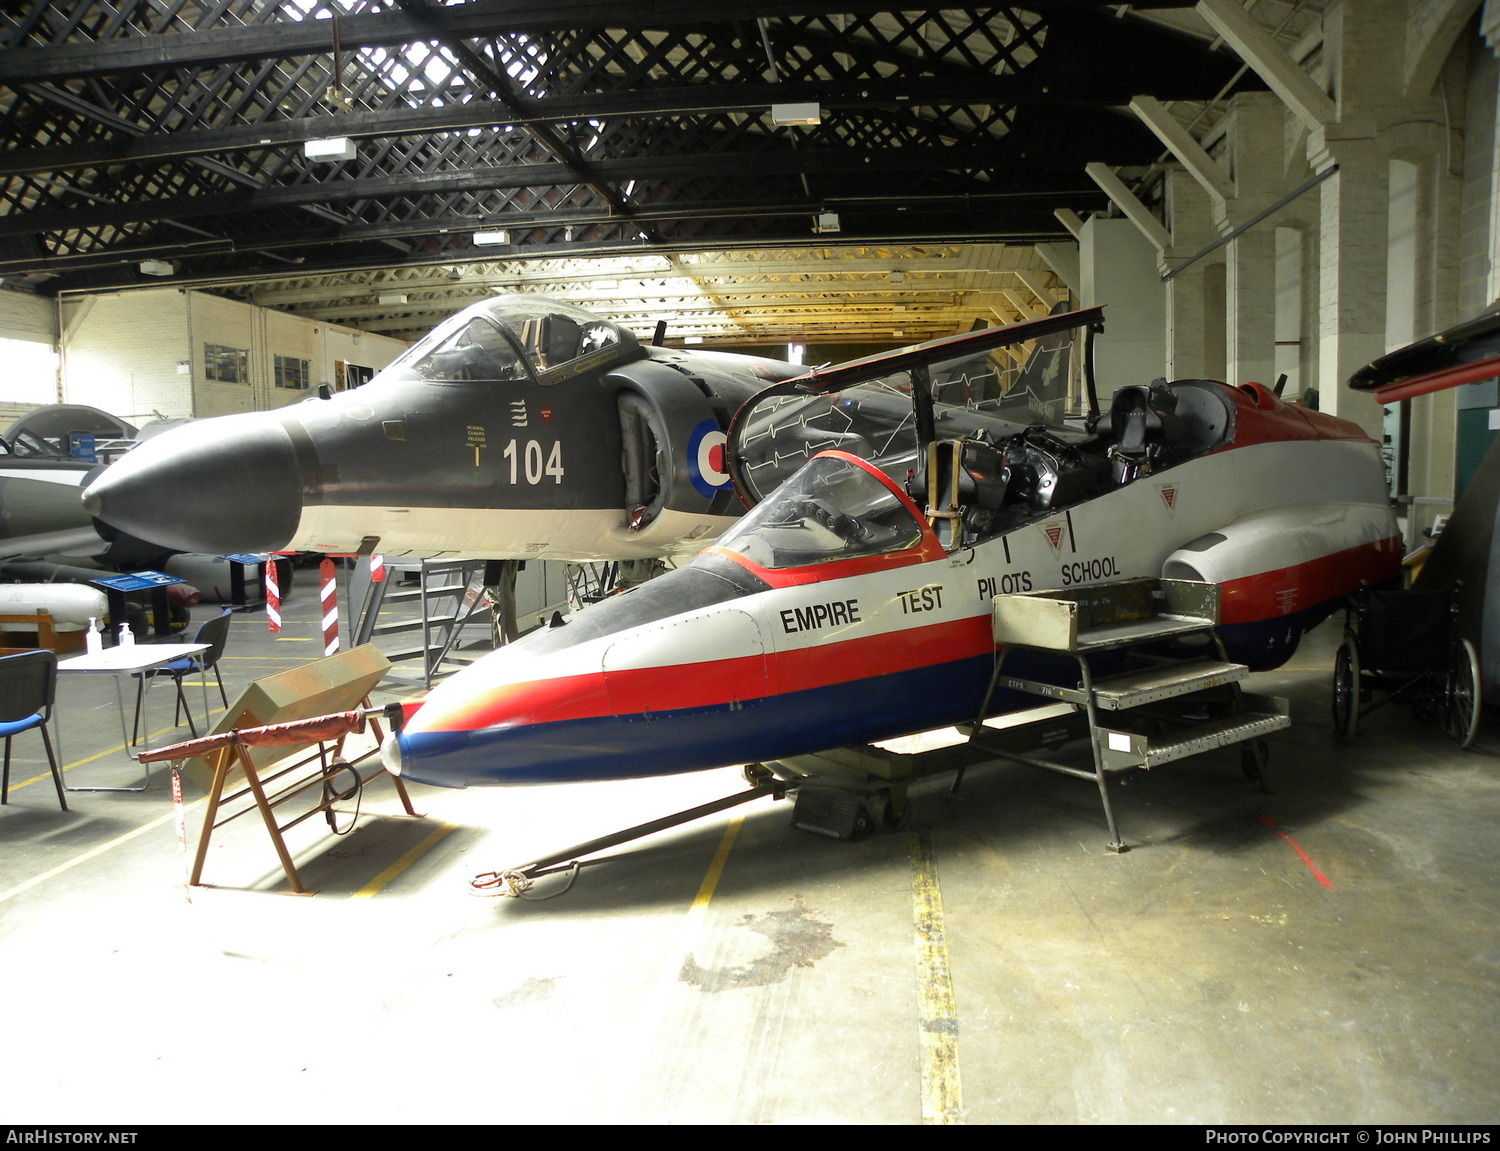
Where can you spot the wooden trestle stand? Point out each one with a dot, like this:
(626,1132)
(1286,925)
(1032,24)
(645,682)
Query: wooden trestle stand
(259,743)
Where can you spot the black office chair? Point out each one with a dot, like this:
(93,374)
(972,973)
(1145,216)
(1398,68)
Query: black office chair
(215,633)
(28,688)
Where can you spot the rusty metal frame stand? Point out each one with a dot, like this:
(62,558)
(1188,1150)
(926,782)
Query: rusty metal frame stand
(288,784)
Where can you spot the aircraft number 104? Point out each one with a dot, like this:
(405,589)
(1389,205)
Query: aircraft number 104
(529,457)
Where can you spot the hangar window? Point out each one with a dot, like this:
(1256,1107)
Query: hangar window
(31,371)
(291,373)
(226,365)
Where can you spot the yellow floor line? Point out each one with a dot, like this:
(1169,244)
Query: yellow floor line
(406,860)
(119,747)
(125,837)
(937,1022)
(716,868)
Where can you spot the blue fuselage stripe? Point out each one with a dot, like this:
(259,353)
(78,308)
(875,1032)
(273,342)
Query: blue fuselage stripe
(772,727)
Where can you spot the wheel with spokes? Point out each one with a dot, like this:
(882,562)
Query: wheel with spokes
(1346,690)
(1463,701)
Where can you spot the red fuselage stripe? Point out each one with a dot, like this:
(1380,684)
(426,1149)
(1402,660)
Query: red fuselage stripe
(707,683)
(1287,590)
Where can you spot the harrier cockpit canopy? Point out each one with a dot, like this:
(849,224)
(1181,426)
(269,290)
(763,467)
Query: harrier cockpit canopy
(517,337)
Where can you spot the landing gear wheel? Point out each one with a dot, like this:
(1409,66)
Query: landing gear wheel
(1463,702)
(1346,690)
(892,810)
(864,823)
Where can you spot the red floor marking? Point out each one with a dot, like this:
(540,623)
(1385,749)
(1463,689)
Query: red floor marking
(1302,855)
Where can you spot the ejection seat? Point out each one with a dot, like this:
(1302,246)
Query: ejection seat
(1142,420)
(960,484)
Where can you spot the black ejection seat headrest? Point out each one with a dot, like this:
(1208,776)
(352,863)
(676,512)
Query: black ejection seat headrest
(1132,420)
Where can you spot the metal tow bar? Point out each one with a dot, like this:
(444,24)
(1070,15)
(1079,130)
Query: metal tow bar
(515,882)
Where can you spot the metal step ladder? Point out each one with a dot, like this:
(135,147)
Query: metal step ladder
(1142,717)
(425,603)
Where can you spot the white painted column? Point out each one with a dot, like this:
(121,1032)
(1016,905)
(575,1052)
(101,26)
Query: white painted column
(1256,145)
(1118,268)
(1351,277)
(1194,338)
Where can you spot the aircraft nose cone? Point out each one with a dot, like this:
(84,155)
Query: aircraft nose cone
(391,755)
(219,486)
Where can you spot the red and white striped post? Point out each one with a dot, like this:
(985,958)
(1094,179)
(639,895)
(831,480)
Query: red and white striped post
(329,586)
(273,596)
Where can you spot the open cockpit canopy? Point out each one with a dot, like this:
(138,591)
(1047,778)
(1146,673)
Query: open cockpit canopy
(887,408)
(983,432)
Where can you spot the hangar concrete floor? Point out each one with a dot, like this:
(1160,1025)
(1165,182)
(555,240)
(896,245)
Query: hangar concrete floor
(992,964)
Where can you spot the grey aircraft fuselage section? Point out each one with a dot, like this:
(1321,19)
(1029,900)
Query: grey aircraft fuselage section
(459,445)
(41,514)
(39,507)
(519,428)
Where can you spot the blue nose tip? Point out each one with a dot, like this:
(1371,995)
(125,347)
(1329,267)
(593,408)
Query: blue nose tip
(225,485)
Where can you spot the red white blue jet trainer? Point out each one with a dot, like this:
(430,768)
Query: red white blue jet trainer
(898,497)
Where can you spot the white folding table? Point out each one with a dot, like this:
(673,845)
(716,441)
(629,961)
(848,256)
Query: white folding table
(128,661)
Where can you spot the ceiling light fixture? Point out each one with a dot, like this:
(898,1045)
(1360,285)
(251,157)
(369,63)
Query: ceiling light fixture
(330,150)
(157,267)
(826,222)
(801,115)
(493,237)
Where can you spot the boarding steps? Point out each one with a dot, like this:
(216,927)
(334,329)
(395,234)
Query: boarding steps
(1153,709)
(1162,709)
(448,596)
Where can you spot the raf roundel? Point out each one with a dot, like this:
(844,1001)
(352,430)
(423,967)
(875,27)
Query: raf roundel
(705,454)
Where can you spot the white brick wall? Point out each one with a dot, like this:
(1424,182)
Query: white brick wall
(30,378)
(122,353)
(27,317)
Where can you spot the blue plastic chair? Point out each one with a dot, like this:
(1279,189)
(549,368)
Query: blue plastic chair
(28,689)
(215,633)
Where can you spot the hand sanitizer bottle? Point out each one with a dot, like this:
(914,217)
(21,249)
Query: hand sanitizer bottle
(93,642)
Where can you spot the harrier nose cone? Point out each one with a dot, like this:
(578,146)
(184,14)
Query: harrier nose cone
(218,486)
